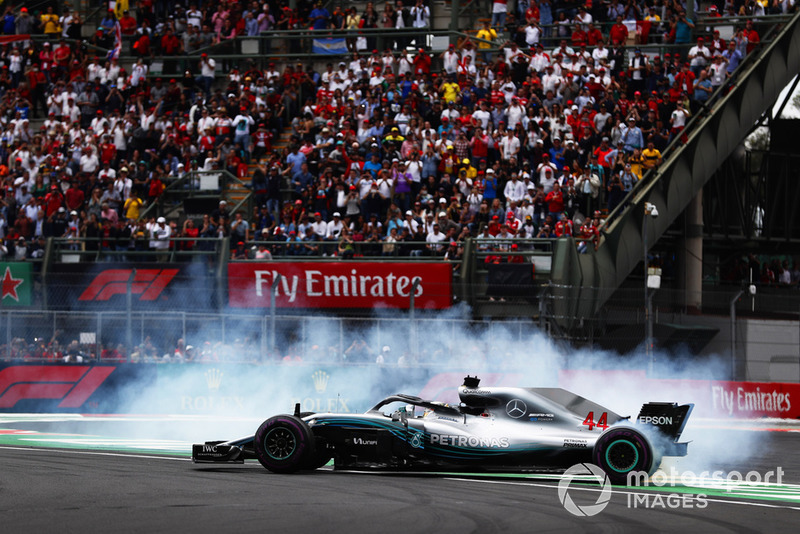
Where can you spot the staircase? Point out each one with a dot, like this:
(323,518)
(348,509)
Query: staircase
(582,283)
(235,193)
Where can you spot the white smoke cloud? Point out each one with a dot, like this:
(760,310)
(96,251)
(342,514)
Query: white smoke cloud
(514,354)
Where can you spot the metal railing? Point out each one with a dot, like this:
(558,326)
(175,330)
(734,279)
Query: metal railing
(693,126)
(100,249)
(192,184)
(297,44)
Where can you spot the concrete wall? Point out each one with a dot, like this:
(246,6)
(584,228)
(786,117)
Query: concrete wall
(766,350)
(772,349)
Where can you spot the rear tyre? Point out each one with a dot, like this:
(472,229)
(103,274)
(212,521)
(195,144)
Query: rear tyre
(284,444)
(621,451)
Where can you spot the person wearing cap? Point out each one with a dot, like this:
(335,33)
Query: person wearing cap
(334,228)
(563,226)
(486,33)
(678,119)
(159,237)
(243,123)
(628,178)
(683,27)
(637,71)
(716,44)
(588,187)
(732,57)
(631,136)
(699,56)
(208,70)
(434,240)
(450,60)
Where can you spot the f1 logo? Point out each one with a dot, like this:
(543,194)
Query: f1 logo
(149,283)
(73,384)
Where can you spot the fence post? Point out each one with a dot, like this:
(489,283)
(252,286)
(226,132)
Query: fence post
(733,333)
(272,291)
(263,338)
(98,335)
(412,315)
(128,318)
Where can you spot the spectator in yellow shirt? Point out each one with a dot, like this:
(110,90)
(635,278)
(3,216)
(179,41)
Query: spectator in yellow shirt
(450,91)
(486,33)
(49,23)
(132,206)
(651,157)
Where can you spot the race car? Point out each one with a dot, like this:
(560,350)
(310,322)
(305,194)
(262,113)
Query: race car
(493,428)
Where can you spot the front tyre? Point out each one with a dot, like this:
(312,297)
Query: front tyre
(620,451)
(283,444)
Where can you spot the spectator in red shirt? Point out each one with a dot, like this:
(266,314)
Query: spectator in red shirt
(74,197)
(752,36)
(555,201)
(563,226)
(618,33)
(594,35)
(142,46)
(170,44)
(579,36)
(422,62)
(53,200)
(127,24)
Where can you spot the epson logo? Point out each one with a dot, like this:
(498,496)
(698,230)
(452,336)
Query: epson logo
(655,420)
(362,441)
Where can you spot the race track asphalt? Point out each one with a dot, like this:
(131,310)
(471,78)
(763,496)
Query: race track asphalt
(59,490)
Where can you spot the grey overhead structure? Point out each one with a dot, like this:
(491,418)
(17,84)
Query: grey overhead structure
(582,283)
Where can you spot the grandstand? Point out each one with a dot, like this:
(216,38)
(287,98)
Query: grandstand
(180,142)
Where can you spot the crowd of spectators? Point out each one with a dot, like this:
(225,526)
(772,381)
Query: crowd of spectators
(60,348)
(393,152)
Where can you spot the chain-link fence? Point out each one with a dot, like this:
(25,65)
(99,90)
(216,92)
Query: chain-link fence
(254,338)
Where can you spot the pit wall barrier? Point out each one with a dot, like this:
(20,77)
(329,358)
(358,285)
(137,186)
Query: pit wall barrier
(259,390)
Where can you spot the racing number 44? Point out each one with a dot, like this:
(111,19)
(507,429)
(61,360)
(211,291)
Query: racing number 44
(601,423)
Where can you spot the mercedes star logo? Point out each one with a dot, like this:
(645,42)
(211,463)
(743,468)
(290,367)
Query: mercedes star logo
(516,408)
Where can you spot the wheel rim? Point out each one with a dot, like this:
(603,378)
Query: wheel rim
(279,443)
(622,456)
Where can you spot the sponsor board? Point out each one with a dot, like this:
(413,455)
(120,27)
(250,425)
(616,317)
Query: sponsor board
(16,284)
(50,387)
(152,285)
(712,398)
(340,285)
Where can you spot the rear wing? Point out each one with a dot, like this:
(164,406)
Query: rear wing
(668,417)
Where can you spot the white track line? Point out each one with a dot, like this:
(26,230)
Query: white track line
(616,490)
(95,453)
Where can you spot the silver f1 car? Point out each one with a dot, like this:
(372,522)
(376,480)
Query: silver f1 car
(497,428)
